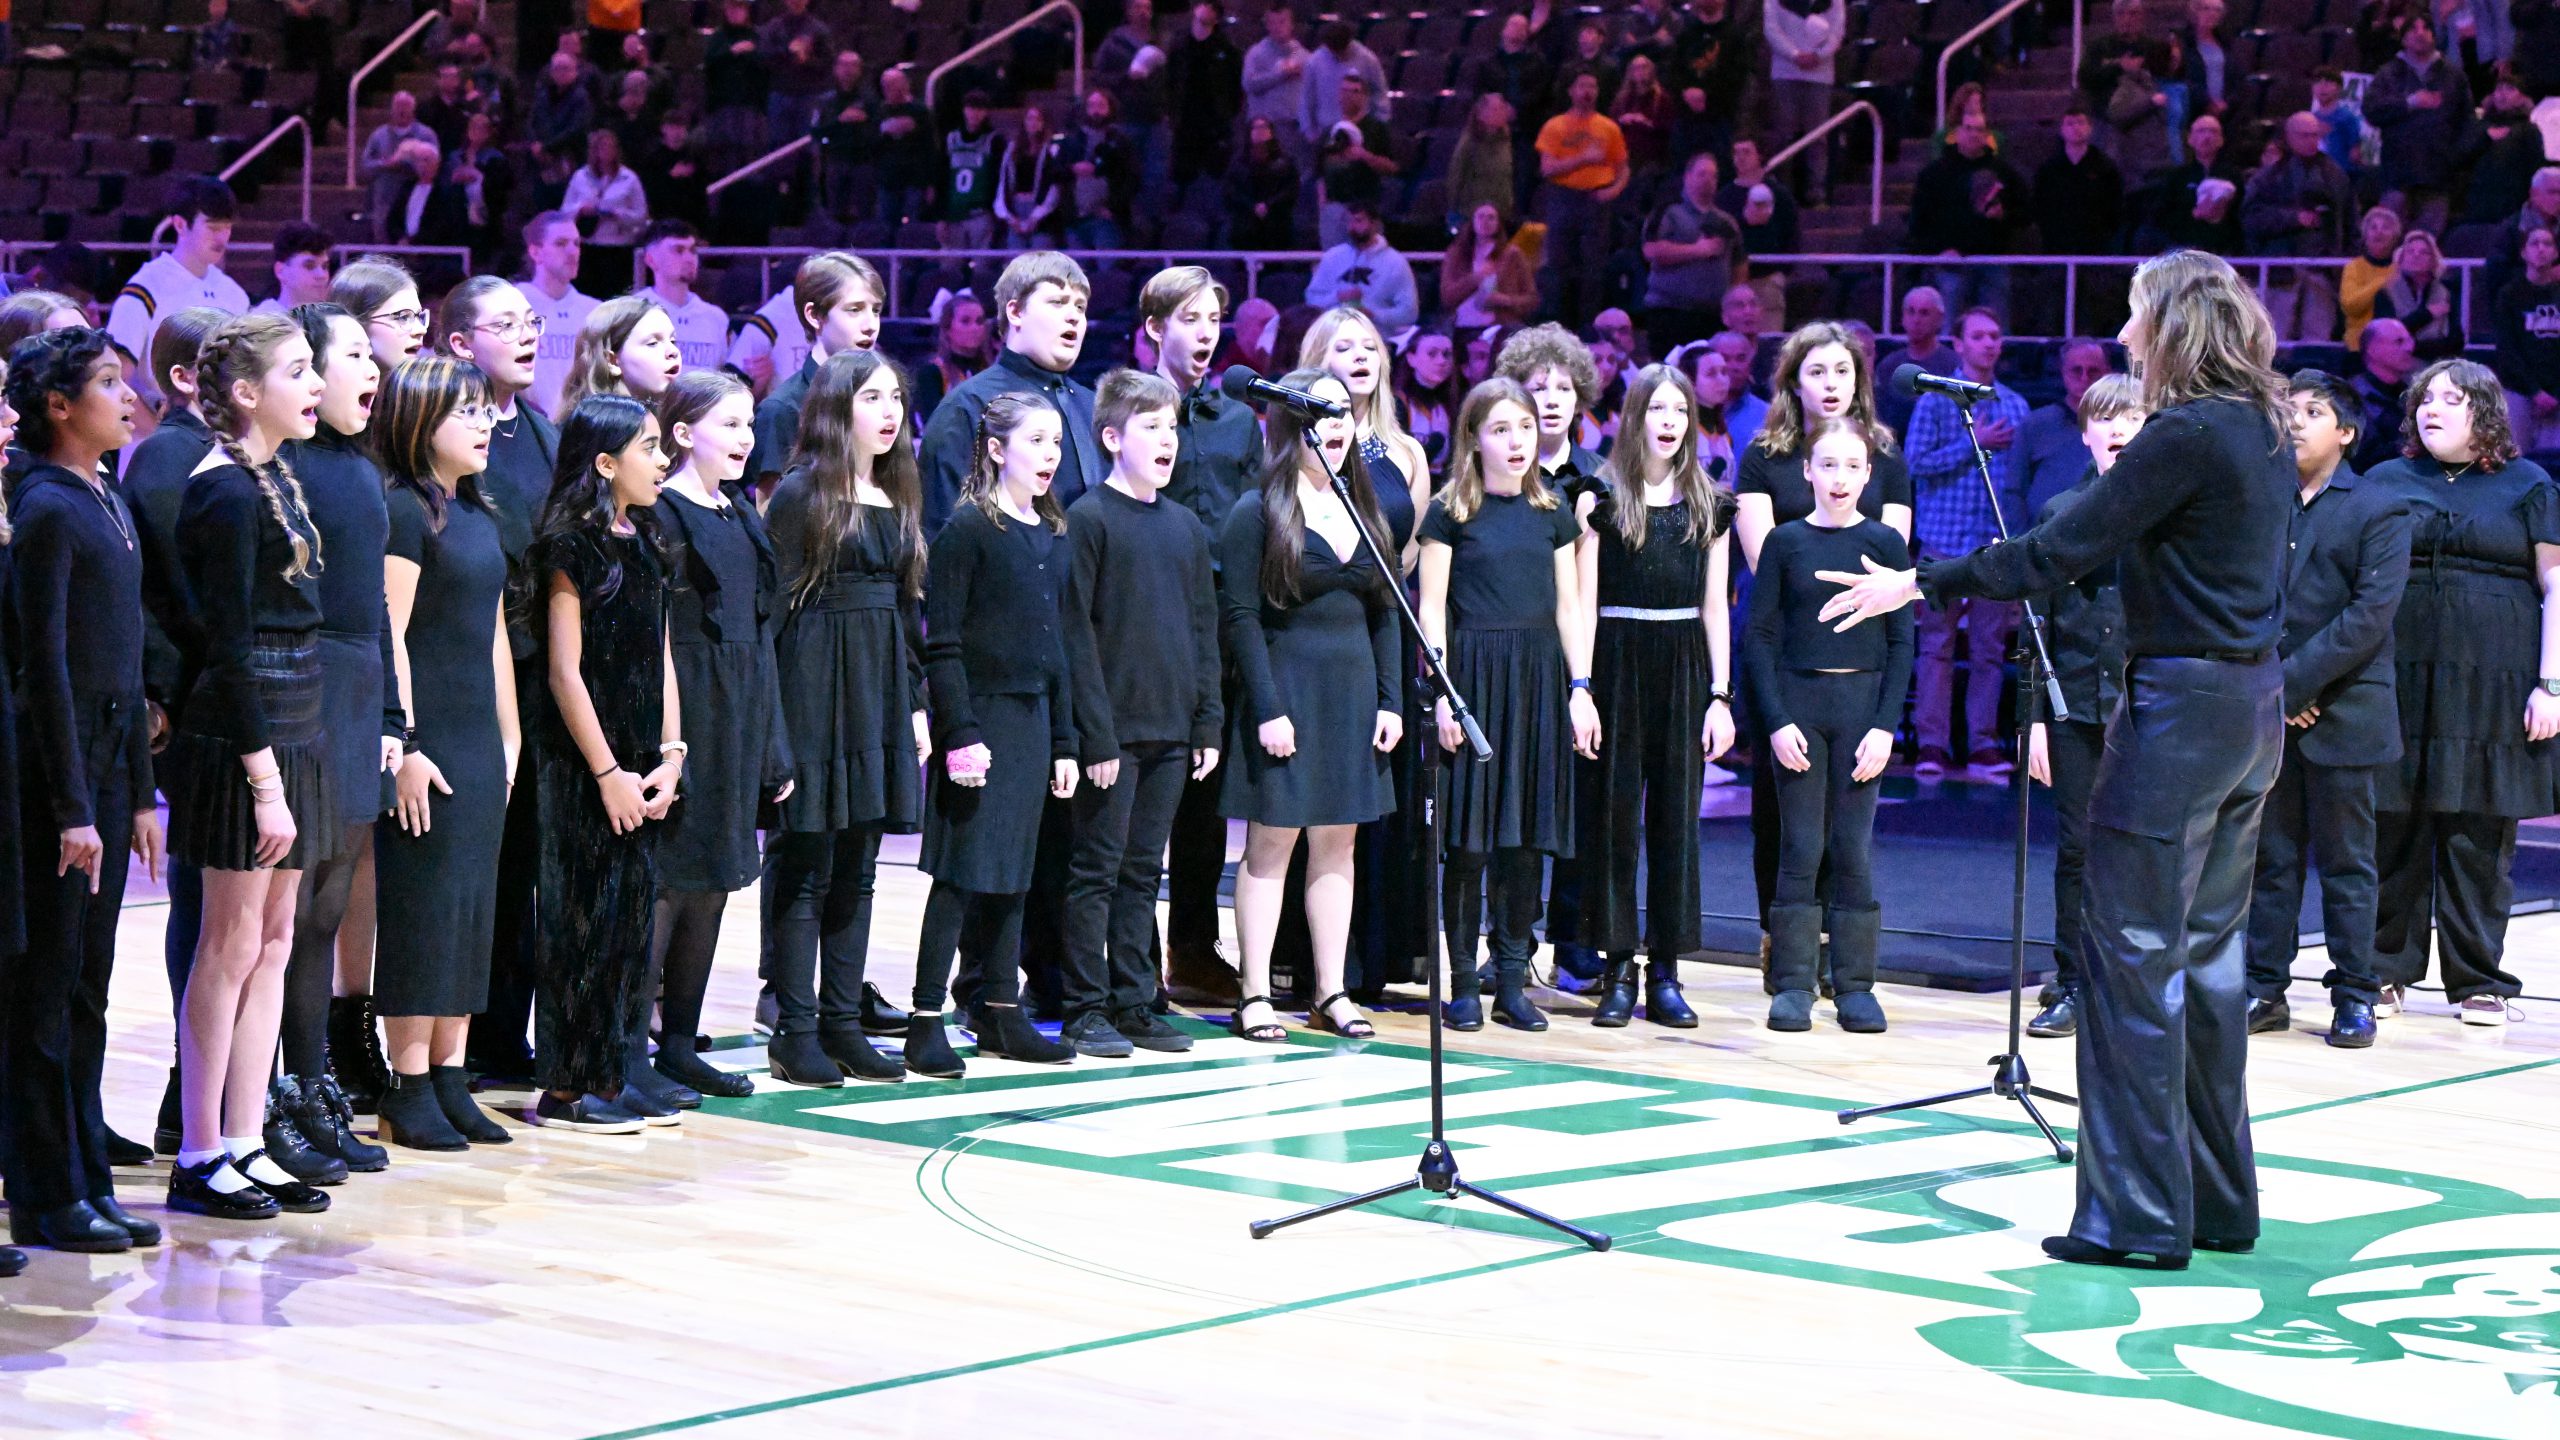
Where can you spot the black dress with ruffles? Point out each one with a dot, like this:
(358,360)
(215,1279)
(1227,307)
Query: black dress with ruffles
(720,622)
(852,675)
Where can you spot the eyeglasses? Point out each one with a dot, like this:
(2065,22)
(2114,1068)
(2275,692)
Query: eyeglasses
(476,414)
(398,319)
(511,329)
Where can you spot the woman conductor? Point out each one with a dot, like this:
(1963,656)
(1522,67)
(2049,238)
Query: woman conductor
(2196,512)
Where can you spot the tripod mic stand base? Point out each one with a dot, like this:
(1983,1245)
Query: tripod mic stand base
(2009,1081)
(1437,1174)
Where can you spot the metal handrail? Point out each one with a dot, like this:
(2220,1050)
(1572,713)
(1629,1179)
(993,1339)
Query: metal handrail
(1947,56)
(759,163)
(1875,166)
(1074,14)
(272,136)
(380,58)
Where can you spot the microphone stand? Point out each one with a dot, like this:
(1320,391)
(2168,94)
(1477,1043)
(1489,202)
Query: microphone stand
(2009,1078)
(1437,1171)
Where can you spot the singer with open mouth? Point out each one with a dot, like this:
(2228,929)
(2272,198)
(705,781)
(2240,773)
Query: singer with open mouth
(2196,515)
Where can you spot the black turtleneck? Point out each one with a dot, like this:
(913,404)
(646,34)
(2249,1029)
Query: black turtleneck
(343,489)
(79,612)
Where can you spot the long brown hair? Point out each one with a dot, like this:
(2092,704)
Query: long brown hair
(238,352)
(1631,464)
(1785,431)
(690,396)
(984,484)
(417,397)
(2493,440)
(825,452)
(1464,494)
(2208,337)
(600,339)
(1284,524)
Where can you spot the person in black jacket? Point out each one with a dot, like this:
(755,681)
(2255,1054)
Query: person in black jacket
(839,299)
(1205,77)
(2345,571)
(2197,514)
(86,797)
(1969,202)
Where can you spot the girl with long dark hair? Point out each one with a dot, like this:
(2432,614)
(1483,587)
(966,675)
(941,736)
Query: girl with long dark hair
(1428,390)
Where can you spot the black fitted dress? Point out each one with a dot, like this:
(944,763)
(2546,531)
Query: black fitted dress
(850,658)
(439,891)
(357,685)
(719,617)
(1307,660)
(1508,661)
(597,891)
(1388,936)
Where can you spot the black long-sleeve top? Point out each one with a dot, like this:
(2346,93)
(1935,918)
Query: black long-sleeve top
(2196,513)
(155,487)
(344,490)
(1329,592)
(864,556)
(1142,625)
(991,623)
(1220,455)
(80,639)
(728,592)
(2084,628)
(236,552)
(1785,634)
(522,452)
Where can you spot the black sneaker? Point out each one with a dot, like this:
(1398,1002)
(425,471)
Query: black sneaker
(191,1190)
(1147,1030)
(650,1109)
(1092,1033)
(592,1114)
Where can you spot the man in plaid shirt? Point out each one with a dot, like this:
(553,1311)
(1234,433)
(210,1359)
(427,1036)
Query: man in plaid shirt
(1953,516)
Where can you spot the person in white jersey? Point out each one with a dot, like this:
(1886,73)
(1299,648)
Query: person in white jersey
(772,346)
(671,250)
(301,262)
(188,273)
(551,252)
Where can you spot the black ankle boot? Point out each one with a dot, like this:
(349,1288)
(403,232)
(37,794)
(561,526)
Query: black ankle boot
(677,1060)
(1617,994)
(143,1232)
(355,1052)
(453,1096)
(929,1051)
(1663,1003)
(857,1057)
(1511,1003)
(74,1227)
(286,1146)
(167,1131)
(1007,1031)
(795,1059)
(320,1111)
(410,1115)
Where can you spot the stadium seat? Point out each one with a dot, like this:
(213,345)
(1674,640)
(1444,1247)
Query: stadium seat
(159,87)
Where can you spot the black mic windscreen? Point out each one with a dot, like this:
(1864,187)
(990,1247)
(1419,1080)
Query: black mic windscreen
(1906,380)
(1238,382)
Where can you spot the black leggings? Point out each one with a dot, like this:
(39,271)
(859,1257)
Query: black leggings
(822,883)
(1824,815)
(686,937)
(1512,890)
(988,928)
(311,975)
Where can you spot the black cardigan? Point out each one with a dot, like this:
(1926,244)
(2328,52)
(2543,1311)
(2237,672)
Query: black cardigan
(80,640)
(991,624)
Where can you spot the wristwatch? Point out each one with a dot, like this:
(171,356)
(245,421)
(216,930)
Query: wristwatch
(2550,685)
(1721,692)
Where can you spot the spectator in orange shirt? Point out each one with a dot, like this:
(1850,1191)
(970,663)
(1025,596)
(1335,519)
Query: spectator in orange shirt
(1582,160)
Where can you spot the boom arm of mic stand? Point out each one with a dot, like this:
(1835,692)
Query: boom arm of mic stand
(2035,619)
(1393,567)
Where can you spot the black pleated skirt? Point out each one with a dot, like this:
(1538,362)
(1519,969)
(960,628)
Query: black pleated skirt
(984,838)
(1522,798)
(213,822)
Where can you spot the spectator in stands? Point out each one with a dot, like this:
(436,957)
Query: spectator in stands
(2341,123)
(2299,206)
(2051,445)
(1262,191)
(386,174)
(443,39)
(798,51)
(2528,325)
(1320,96)
(1969,202)
(448,108)
(1205,77)
(2378,234)
(2208,65)
(1131,65)
(1746,409)
(734,86)
(306,39)
(1428,391)
(1804,38)
(1924,325)
(1484,279)
(301,265)
(2416,295)
(633,113)
(1739,312)
(483,84)
(1102,175)
(671,253)
(561,111)
(2137,108)
(33,312)
(1968,101)
(1366,271)
(1582,160)
(961,348)
(1715,55)
(1030,188)
(972,169)
(848,172)
(1780,231)
(2501,152)
(1040,305)
(1650,28)
(2540,211)
(2079,201)
(220,43)
(1689,249)
(2421,102)
(1741,356)
(1519,76)
(2196,204)
(605,195)
(672,171)
(1589,56)
(429,209)
(1482,166)
(199,213)
(1358,156)
(1644,112)
(2390,357)
(1275,72)
(1952,515)
(553,254)
(909,160)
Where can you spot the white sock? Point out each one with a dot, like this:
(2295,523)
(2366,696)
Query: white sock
(262,1169)
(224,1180)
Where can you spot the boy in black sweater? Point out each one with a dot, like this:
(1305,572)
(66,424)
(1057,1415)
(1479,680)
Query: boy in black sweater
(1142,640)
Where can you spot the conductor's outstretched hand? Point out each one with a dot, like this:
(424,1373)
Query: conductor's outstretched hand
(1877,592)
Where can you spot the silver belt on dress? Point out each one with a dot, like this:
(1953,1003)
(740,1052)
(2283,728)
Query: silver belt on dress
(1632,612)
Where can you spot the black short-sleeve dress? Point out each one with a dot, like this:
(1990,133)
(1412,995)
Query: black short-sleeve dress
(719,615)
(1781,478)
(1508,662)
(2469,641)
(850,655)
(440,889)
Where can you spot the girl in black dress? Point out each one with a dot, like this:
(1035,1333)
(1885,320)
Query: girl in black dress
(848,532)
(1501,593)
(12,908)
(2478,648)
(436,855)
(1003,731)
(253,804)
(614,704)
(1308,621)
(722,629)
(87,793)
(1654,560)
(1829,703)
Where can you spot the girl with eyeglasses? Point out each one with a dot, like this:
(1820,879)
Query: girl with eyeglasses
(383,297)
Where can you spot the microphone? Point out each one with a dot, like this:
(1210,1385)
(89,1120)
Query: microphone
(1242,384)
(1911,380)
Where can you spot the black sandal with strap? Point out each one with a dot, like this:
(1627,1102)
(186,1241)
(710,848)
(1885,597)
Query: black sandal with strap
(1271,1034)
(1356,1028)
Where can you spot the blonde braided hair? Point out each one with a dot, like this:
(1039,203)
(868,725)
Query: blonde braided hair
(240,350)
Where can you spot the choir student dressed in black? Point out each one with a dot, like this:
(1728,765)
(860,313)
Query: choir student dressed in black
(1829,704)
(1501,595)
(848,536)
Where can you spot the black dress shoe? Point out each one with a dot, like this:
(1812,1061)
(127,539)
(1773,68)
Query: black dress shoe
(2059,1018)
(688,1069)
(2351,1027)
(2225,1247)
(290,1195)
(645,1078)
(879,1017)
(1463,1012)
(123,1154)
(2071,1249)
(74,1227)
(12,1262)
(191,1190)
(144,1232)
(1513,1007)
(2269,1016)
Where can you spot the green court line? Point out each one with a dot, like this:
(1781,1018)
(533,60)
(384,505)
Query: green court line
(2399,1090)
(1111,1342)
